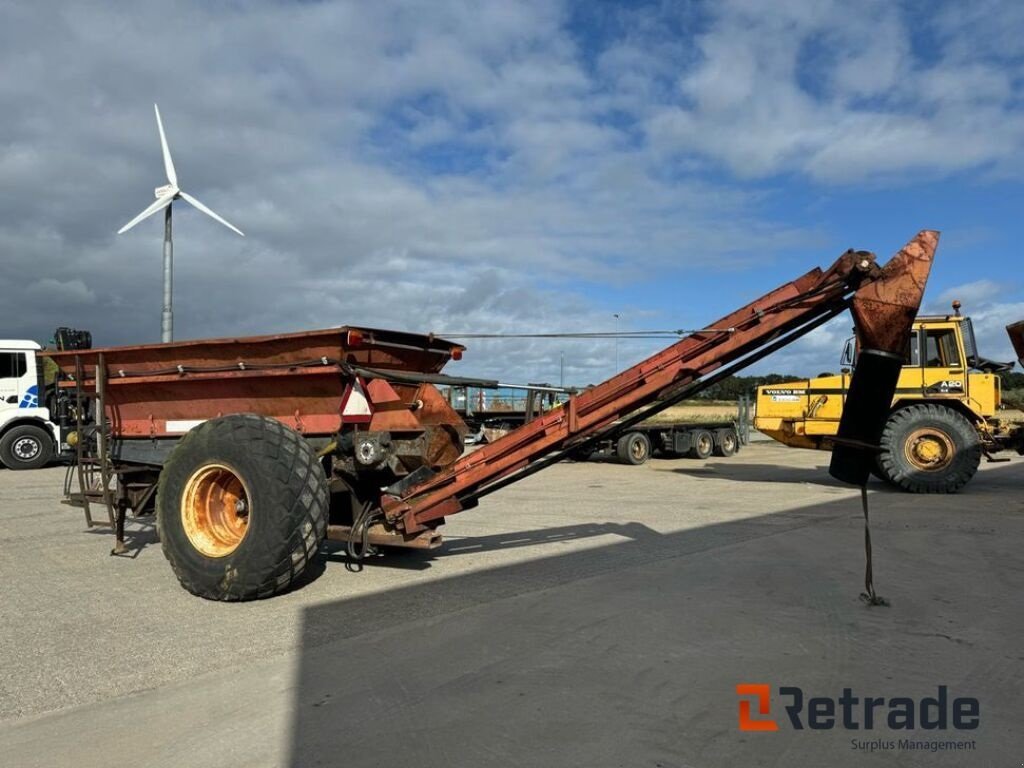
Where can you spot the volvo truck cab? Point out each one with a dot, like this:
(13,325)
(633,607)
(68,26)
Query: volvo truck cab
(28,437)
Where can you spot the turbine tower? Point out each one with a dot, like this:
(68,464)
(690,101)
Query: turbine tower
(166,195)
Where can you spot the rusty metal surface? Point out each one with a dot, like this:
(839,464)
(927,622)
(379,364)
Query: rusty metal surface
(159,390)
(379,536)
(307,401)
(884,310)
(445,430)
(405,408)
(390,350)
(793,304)
(1016,333)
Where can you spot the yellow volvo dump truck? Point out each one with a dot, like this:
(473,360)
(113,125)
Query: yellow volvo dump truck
(945,414)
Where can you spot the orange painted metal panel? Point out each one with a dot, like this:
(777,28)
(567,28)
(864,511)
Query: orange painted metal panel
(155,390)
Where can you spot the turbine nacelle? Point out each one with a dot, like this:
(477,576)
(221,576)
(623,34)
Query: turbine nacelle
(165,190)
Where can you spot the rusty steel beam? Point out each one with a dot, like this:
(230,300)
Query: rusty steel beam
(813,295)
(378,536)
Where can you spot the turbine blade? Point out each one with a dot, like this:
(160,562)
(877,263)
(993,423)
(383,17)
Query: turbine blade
(168,163)
(158,205)
(210,213)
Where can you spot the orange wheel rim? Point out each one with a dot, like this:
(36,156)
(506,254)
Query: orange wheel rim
(215,509)
(929,450)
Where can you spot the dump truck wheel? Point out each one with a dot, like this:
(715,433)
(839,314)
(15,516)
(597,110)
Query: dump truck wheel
(242,506)
(25,447)
(703,444)
(633,448)
(929,449)
(726,442)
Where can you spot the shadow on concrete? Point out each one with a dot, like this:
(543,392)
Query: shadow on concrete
(139,533)
(419,560)
(628,653)
(757,473)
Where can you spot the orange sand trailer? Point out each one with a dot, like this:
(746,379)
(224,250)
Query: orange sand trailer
(251,451)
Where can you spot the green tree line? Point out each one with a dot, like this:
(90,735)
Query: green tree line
(1012,380)
(1013,389)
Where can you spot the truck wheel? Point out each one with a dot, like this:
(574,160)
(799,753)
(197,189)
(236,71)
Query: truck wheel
(703,444)
(242,506)
(633,448)
(25,446)
(726,442)
(929,449)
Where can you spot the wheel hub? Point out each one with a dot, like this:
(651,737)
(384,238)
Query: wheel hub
(929,449)
(215,510)
(26,448)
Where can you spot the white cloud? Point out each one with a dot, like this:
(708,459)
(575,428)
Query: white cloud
(978,292)
(990,323)
(840,96)
(447,165)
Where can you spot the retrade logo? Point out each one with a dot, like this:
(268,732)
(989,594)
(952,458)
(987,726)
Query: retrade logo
(852,712)
(761,693)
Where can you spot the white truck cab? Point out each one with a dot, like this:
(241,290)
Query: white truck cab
(28,437)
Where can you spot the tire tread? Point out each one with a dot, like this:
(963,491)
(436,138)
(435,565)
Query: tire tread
(964,465)
(293,485)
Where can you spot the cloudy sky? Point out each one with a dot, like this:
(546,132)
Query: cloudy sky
(502,166)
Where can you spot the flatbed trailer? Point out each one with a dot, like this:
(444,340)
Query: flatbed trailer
(252,451)
(636,444)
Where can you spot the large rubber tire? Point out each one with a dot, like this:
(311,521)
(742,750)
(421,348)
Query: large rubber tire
(703,444)
(26,446)
(633,448)
(727,442)
(951,435)
(287,504)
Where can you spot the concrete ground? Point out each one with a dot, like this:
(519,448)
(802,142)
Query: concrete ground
(592,615)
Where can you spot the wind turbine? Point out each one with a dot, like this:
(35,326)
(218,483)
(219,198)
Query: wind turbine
(166,195)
